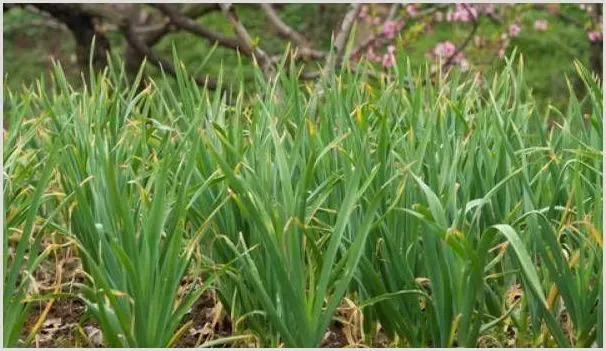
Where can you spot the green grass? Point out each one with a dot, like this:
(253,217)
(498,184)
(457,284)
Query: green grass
(424,203)
(27,173)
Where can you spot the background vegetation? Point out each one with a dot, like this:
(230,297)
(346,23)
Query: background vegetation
(33,38)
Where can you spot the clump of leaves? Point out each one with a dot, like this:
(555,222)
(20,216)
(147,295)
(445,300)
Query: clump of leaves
(426,201)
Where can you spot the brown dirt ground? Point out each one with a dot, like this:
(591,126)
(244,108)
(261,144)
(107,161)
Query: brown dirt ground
(60,328)
(201,316)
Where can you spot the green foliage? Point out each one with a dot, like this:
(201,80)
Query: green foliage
(482,160)
(424,202)
(27,172)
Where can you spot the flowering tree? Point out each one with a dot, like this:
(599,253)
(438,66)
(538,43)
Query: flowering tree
(407,22)
(394,29)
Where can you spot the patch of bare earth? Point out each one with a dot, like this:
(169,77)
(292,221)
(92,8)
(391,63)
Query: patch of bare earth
(207,322)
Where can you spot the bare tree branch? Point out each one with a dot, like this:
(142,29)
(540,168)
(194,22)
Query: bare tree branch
(341,39)
(102,11)
(154,32)
(199,10)
(284,30)
(262,58)
(494,18)
(150,32)
(288,33)
(192,26)
(393,11)
(430,11)
(335,56)
(158,60)
(46,23)
(151,29)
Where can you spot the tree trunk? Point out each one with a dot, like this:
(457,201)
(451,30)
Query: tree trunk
(82,26)
(133,58)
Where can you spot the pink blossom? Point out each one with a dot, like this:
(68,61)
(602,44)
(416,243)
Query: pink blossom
(594,36)
(472,11)
(464,13)
(501,53)
(370,54)
(363,12)
(388,60)
(540,25)
(514,30)
(464,65)
(389,29)
(460,57)
(411,9)
(444,49)
(376,20)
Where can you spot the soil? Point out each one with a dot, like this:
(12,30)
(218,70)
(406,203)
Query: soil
(202,316)
(59,328)
(334,338)
(66,325)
